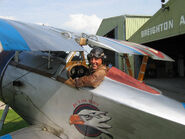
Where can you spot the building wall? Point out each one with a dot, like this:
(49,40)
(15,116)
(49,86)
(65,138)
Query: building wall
(109,24)
(122,28)
(133,23)
(164,24)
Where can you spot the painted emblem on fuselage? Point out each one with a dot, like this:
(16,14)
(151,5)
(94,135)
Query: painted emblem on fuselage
(90,121)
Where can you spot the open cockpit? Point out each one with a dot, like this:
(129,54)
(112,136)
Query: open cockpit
(58,65)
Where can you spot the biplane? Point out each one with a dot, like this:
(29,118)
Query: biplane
(35,63)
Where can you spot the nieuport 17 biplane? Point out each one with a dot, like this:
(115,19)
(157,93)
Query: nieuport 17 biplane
(35,63)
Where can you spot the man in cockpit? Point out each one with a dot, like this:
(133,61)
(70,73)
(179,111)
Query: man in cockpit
(97,70)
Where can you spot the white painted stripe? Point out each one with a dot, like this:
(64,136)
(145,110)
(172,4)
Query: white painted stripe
(1,47)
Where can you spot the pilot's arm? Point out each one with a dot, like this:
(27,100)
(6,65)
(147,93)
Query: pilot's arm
(92,80)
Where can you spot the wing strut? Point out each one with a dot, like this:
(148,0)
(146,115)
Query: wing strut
(143,68)
(4,116)
(128,65)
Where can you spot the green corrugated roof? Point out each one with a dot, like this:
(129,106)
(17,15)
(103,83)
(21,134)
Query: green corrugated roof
(125,24)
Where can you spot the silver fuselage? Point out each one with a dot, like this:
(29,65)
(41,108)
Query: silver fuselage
(49,103)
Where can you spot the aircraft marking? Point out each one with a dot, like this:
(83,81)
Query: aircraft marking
(183,104)
(1,47)
(90,121)
(138,48)
(11,38)
(153,51)
(121,44)
(8,136)
(82,101)
(117,75)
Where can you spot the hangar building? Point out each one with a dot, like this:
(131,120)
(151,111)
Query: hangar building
(164,31)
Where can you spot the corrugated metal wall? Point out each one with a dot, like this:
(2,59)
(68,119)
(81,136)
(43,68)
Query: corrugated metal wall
(133,23)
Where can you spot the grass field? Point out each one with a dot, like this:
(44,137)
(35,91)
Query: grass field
(13,122)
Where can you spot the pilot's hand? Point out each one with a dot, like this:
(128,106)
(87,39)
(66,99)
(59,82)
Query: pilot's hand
(77,82)
(70,82)
(76,79)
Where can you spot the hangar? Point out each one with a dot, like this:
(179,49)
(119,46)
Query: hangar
(164,31)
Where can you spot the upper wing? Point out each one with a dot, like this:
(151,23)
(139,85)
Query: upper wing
(127,47)
(32,132)
(16,35)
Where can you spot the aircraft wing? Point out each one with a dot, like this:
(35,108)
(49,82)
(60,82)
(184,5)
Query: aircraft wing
(16,35)
(32,132)
(127,47)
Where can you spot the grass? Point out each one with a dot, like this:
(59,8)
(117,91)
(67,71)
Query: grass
(12,122)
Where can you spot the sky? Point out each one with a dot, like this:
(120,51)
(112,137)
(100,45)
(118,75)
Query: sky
(74,15)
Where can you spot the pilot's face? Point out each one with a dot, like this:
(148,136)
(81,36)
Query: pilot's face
(95,62)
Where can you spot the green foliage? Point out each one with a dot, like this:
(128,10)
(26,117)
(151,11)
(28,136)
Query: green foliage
(12,122)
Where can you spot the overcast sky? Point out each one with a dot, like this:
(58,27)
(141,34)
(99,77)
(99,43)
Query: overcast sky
(74,15)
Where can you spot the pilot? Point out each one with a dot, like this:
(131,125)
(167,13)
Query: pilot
(97,70)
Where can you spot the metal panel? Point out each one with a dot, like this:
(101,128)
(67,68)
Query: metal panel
(133,24)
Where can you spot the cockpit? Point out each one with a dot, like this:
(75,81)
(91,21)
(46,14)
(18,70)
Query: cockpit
(58,65)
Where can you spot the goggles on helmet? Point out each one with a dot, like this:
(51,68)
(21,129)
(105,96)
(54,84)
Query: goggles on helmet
(91,55)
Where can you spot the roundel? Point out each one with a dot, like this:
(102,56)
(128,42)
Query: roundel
(82,117)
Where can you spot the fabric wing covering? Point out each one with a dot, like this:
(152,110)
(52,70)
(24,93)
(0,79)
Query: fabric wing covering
(129,48)
(16,35)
